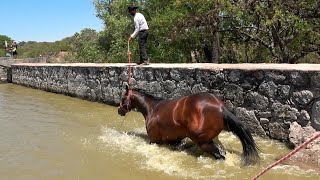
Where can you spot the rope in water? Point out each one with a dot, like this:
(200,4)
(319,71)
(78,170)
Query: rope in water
(287,156)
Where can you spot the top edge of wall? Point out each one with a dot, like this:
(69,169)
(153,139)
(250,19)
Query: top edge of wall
(242,66)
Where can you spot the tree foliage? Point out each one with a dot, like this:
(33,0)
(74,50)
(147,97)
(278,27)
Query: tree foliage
(81,47)
(220,31)
(4,38)
(32,49)
(283,31)
(84,47)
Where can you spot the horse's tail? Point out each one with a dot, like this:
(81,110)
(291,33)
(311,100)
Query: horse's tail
(250,149)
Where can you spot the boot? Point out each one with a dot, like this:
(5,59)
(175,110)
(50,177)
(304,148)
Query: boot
(146,62)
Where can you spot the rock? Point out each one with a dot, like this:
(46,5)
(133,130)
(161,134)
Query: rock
(315,119)
(259,75)
(309,155)
(233,92)
(278,131)
(209,77)
(182,89)
(299,79)
(138,74)
(175,75)
(149,74)
(315,80)
(267,114)
(250,121)
(264,120)
(302,97)
(275,76)
(154,88)
(234,76)
(142,74)
(298,134)
(256,101)
(199,88)
(284,91)
(280,111)
(169,86)
(268,88)
(112,72)
(141,85)
(124,76)
(304,118)
(161,74)
(246,85)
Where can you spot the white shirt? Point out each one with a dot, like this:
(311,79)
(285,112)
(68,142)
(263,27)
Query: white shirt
(140,24)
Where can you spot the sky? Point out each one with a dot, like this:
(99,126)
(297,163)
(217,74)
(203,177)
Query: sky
(46,20)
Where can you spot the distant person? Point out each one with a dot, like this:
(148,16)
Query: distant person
(14,47)
(141,29)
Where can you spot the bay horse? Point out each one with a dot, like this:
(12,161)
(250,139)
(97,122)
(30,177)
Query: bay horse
(201,117)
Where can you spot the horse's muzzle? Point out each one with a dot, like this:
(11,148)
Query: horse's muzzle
(121,111)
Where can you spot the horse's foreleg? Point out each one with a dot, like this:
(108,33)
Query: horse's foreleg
(154,139)
(213,149)
(153,132)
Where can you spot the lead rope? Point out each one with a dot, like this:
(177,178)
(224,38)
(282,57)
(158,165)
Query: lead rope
(130,76)
(287,156)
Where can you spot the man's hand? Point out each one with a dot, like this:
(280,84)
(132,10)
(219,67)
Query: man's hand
(129,39)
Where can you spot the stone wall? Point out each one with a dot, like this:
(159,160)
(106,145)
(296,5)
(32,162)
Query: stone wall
(267,97)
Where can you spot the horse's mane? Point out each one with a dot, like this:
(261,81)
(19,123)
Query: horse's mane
(143,92)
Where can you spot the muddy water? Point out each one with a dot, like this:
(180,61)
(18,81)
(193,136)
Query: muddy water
(50,136)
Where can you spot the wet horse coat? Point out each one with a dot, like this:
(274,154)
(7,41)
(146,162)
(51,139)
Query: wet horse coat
(201,117)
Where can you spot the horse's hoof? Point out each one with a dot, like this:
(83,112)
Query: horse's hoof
(218,156)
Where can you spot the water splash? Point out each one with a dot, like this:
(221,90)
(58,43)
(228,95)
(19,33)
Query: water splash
(186,161)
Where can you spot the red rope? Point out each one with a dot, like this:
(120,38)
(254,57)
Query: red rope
(287,156)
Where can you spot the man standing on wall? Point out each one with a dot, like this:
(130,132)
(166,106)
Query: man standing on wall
(141,29)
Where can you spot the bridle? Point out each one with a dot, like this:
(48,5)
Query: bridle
(127,105)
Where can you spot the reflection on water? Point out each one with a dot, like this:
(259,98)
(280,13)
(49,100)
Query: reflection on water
(50,136)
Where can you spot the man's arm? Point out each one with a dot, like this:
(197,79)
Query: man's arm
(137,27)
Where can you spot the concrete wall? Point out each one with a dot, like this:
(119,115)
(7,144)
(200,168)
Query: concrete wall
(7,61)
(267,97)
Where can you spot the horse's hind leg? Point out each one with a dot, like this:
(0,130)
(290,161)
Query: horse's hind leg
(213,149)
(174,142)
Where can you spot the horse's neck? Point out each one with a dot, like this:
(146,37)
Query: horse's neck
(144,104)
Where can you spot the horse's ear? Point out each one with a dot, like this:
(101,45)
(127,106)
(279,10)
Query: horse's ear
(127,89)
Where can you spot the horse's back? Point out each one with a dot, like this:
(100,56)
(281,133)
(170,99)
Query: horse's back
(205,97)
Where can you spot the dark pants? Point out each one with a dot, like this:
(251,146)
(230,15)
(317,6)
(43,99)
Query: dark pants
(143,36)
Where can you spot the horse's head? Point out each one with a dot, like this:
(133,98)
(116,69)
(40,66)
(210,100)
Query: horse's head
(125,104)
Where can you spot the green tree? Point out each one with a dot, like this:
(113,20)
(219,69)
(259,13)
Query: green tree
(114,37)
(84,47)
(218,31)
(4,38)
(283,31)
